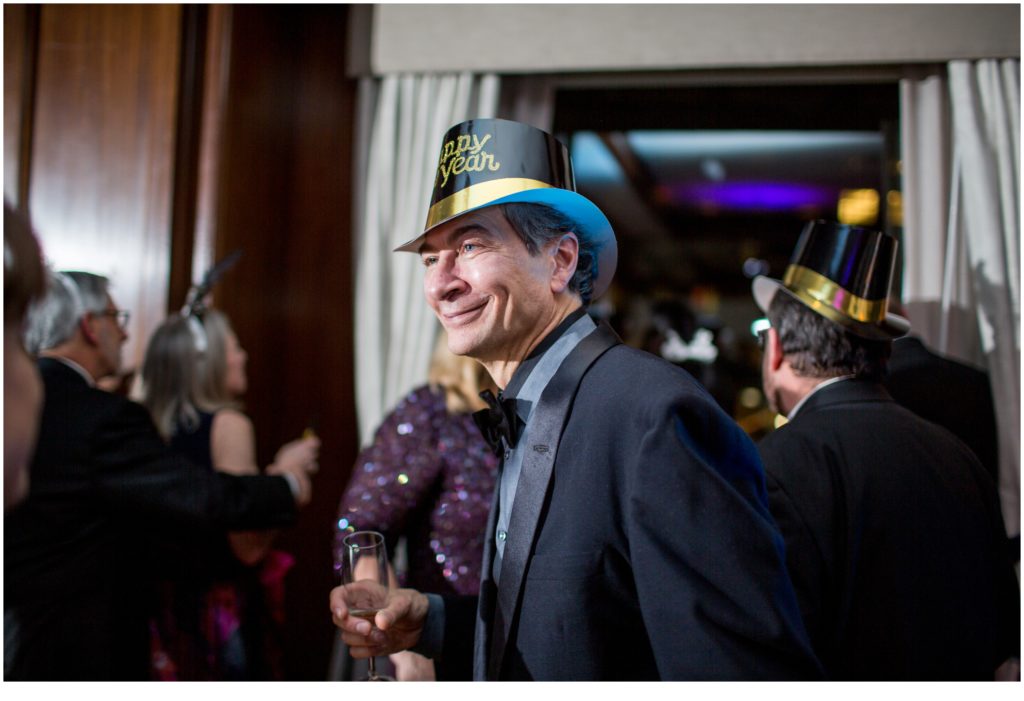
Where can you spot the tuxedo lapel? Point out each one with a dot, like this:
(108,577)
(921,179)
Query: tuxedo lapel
(546,426)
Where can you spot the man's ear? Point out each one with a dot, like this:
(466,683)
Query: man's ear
(773,347)
(85,324)
(565,256)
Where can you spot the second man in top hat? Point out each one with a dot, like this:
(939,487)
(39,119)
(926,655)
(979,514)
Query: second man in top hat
(893,535)
(630,536)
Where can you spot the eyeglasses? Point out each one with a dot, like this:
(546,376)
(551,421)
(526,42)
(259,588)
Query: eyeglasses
(120,316)
(762,338)
(760,331)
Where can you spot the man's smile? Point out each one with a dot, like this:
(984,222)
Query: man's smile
(462,315)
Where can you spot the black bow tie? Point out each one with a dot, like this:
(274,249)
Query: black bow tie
(497,421)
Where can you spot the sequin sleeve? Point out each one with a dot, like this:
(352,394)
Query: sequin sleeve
(395,474)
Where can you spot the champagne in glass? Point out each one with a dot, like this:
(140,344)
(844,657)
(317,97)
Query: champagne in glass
(365,574)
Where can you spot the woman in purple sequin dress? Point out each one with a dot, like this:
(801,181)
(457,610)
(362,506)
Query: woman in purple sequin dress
(428,476)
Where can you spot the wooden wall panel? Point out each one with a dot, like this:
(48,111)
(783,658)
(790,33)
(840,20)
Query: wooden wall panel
(284,197)
(216,71)
(163,137)
(21,24)
(187,153)
(103,149)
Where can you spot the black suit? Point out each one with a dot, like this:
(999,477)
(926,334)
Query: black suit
(78,551)
(892,539)
(653,554)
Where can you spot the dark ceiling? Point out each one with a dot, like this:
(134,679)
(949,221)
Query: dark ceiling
(699,181)
(708,186)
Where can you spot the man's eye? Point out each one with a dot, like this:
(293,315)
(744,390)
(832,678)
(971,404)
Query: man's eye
(468,247)
(428,261)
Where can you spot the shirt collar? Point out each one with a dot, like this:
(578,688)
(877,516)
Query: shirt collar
(76,367)
(817,388)
(529,385)
(526,367)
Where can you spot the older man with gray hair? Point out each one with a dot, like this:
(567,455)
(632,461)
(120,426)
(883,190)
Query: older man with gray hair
(106,492)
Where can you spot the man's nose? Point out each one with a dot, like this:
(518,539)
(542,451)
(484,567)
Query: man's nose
(443,279)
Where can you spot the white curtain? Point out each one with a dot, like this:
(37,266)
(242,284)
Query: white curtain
(397,154)
(985,98)
(961,238)
(400,122)
(925,143)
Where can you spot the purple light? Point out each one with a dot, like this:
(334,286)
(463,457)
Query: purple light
(753,195)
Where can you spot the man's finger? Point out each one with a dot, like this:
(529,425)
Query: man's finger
(337,601)
(386,618)
(350,624)
(375,641)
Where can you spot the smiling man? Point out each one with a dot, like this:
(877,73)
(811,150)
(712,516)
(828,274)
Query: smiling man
(629,537)
(495,298)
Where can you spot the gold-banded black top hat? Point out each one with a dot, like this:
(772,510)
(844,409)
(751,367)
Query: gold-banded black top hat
(487,162)
(843,273)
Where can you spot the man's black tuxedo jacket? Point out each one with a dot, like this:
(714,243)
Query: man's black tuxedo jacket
(105,491)
(892,539)
(655,556)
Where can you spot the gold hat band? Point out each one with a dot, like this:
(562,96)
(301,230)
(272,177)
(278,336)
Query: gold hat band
(478,195)
(822,294)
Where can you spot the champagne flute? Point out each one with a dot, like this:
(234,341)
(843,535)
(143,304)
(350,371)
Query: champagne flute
(365,574)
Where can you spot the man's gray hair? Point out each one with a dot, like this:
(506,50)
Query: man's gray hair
(539,224)
(53,319)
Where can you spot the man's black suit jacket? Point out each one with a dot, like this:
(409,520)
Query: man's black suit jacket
(78,552)
(892,539)
(655,556)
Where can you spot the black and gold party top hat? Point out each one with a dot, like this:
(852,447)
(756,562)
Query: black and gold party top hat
(843,273)
(485,162)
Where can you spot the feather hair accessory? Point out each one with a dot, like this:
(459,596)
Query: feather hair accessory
(195,300)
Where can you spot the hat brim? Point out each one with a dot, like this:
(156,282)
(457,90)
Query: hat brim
(593,224)
(894,326)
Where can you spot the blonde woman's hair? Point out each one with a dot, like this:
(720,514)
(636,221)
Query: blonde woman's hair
(185,371)
(460,378)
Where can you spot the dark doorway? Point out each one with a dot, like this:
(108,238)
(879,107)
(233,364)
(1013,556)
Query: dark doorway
(707,187)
